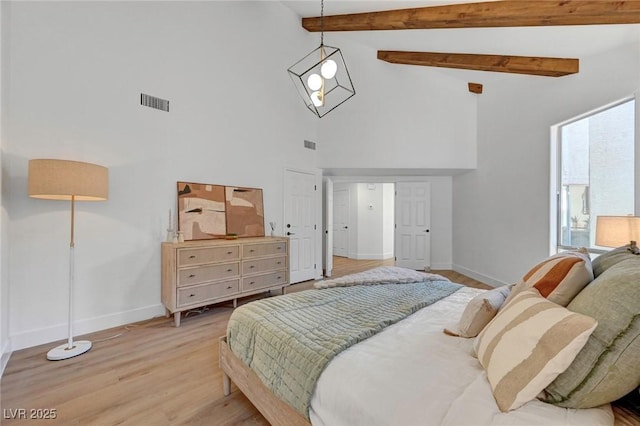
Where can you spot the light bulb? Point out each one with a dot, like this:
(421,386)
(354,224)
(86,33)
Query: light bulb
(329,69)
(314,82)
(316,98)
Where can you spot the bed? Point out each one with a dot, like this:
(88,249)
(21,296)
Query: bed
(406,373)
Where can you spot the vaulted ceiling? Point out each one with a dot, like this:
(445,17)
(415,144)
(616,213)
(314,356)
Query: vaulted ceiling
(539,37)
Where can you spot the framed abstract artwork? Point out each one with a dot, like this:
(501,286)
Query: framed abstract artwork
(201,211)
(245,211)
(207,211)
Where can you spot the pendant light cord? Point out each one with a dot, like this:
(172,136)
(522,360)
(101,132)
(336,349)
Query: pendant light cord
(321,22)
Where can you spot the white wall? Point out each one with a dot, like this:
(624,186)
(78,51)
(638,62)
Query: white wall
(75,71)
(373,221)
(400,117)
(369,212)
(501,210)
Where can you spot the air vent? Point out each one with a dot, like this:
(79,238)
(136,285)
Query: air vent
(153,102)
(310,145)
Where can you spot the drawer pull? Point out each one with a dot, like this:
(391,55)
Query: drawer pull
(191,276)
(279,278)
(229,252)
(251,251)
(229,270)
(252,283)
(192,256)
(278,248)
(229,288)
(251,267)
(278,263)
(191,295)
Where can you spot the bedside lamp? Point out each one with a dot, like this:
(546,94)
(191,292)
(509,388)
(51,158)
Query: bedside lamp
(70,181)
(616,231)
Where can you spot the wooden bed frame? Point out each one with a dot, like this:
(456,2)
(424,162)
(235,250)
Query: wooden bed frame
(277,412)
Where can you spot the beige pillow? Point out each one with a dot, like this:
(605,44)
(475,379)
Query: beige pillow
(559,278)
(527,345)
(479,311)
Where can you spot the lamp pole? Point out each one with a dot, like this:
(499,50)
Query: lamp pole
(71,274)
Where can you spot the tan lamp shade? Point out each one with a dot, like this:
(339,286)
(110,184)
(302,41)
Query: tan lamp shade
(61,179)
(616,231)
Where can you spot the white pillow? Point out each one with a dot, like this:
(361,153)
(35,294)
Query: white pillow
(479,311)
(527,345)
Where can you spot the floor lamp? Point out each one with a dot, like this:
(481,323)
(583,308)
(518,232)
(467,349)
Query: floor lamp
(70,181)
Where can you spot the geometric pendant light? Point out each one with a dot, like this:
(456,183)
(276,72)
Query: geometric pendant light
(322,77)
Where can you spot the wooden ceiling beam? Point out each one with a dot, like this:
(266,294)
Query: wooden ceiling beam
(532,65)
(509,13)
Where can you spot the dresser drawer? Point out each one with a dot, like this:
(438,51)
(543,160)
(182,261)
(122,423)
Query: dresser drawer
(267,249)
(256,266)
(197,256)
(266,280)
(202,293)
(202,274)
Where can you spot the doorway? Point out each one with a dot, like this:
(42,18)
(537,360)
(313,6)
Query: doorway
(363,220)
(379,221)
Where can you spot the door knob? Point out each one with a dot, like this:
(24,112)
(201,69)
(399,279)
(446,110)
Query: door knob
(426,230)
(288,225)
(346,227)
(290,233)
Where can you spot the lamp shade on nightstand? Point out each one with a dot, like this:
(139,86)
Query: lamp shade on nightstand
(616,231)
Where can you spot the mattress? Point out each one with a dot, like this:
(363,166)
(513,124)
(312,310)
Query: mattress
(413,374)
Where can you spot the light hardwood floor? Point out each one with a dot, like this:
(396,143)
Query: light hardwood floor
(150,374)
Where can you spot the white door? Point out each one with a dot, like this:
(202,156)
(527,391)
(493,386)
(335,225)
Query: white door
(341,222)
(328,226)
(413,221)
(299,223)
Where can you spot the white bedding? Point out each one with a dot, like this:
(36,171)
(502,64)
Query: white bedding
(413,374)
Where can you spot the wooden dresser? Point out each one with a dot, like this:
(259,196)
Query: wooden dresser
(200,273)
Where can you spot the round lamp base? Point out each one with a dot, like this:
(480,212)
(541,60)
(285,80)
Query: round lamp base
(64,352)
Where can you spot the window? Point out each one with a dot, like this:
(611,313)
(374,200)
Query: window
(594,173)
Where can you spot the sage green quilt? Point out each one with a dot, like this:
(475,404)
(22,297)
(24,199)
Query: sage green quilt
(288,340)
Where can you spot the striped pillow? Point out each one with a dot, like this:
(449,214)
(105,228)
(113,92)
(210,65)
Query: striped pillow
(559,278)
(527,345)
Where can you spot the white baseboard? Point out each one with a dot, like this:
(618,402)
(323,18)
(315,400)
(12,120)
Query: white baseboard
(479,277)
(441,266)
(57,332)
(367,256)
(6,354)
